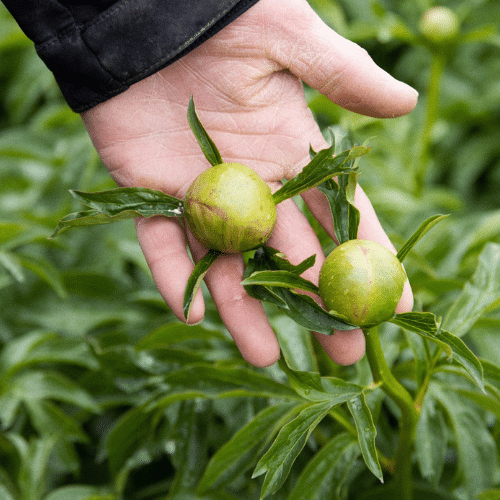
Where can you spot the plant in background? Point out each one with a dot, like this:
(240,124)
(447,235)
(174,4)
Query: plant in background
(361,283)
(104,395)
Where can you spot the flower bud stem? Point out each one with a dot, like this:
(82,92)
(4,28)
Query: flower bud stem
(409,415)
(432,111)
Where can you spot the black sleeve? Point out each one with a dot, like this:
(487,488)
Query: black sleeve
(98,48)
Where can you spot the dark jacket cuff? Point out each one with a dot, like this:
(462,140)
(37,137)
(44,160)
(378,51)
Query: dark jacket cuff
(96,53)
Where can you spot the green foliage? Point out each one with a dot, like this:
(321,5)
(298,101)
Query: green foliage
(104,395)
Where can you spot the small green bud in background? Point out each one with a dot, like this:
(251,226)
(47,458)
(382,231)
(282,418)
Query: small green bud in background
(439,24)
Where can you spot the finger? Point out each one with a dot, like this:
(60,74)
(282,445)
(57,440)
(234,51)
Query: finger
(344,347)
(164,245)
(294,236)
(338,68)
(243,316)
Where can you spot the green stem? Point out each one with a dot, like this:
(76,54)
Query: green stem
(438,65)
(409,416)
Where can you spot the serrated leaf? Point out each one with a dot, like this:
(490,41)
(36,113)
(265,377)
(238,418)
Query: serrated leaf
(206,144)
(120,204)
(322,167)
(301,308)
(325,474)
(415,237)
(90,218)
(146,202)
(278,460)
(281,262)
(283,279)
(195,279)
(242,451)
(340,197)
(366,433)
(425,324)
(431,444)
(479,294)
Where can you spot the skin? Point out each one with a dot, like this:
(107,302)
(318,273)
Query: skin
(246,82)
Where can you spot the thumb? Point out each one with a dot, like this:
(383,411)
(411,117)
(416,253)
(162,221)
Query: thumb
(338,68)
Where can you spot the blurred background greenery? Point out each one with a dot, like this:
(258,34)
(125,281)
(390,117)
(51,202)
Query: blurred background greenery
(74,309)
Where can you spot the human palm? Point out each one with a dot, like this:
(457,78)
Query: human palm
(246,84)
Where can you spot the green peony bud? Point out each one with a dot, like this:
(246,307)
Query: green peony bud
(362,281)
(230,208)
(439,24)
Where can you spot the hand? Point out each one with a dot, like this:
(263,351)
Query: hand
(246,83)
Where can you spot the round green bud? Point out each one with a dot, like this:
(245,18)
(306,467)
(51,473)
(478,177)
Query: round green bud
(439,24)
(362,281)
(230,208)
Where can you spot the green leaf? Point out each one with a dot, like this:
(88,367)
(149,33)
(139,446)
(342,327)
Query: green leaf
(39,347)
(90,218)
(281,262)
(278,460)
(308,313)
(479,294)
(366,433)
(191,450)
(194,281)
(144,201)
(489,495)
(424,324)
(173,333)
(10,262)
(431,445)
(34,466)
(465,357)
(340,196)
(128,434)
(475,444)
(242,451)
(301,308)
(119,204)
(314,388)
(37,385)
(48,419)
(218,381)
(46,271)
(285,279)
(206,144)
(326,473)
(322,167)
(5,494)
(415,237)
(79,492)
(295,342)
